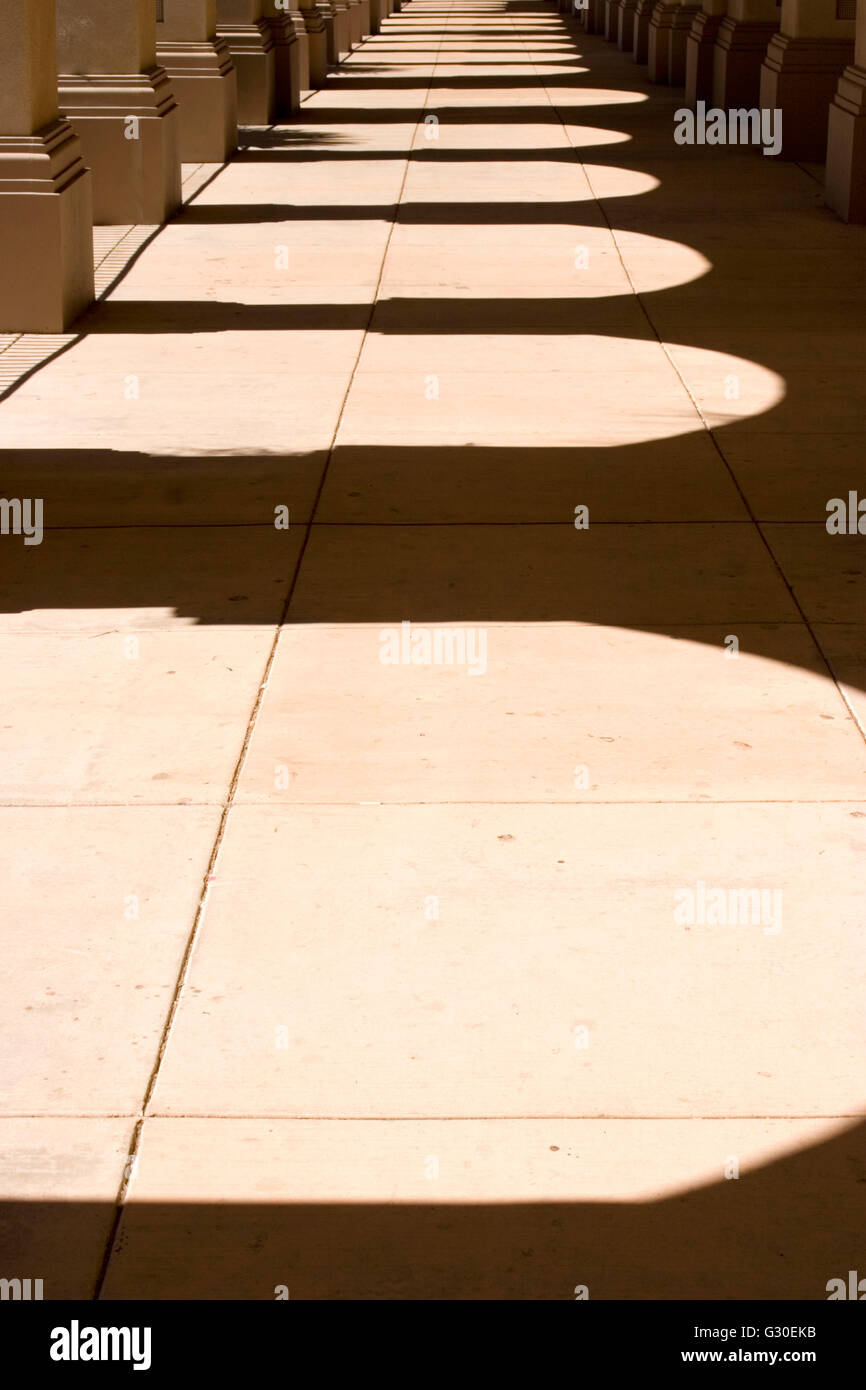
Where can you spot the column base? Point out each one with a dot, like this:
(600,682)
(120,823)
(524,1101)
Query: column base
(625,25)
(642,17)
(737,58)
(46,231)
(253,53)
(699,57)
(846,147)
(291,61)
(206,87)
(377,14)
(799,77)
(659,41)
(128,125)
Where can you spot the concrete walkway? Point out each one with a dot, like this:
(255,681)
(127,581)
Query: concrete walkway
(362,976)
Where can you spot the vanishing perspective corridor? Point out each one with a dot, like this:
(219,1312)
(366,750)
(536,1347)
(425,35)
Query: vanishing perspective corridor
(432,742)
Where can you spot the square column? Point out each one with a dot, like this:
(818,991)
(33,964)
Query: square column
(801,72)
(594,17)
(121,105)
(681,26)
(642,17)
(46,209)
(291,53)
(611,20)
(336,16)
(741,44)
(359,20)
(203,78)
(246,31)
(846,134)
(625,25)
(699,51)
(659,40)
(317,40)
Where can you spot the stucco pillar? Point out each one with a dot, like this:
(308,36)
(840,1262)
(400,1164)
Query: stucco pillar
(248,34)
(659,39)
(625,25)
(594,17)
(122,107)
(801,71)
(359,20)
(699,51)
(291,53)
(336,16)
(611,20)
(740,47)
(317,40)
(846,134)
(203,79)
(642,17)
(681,23)
(46,218)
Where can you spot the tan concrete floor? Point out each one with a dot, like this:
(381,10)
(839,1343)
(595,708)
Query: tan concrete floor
(366,980)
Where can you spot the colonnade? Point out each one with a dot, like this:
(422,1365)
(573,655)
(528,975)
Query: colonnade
(103,100)
(806,58)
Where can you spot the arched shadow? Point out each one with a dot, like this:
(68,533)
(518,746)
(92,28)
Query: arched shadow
(781,1231)
(690,534)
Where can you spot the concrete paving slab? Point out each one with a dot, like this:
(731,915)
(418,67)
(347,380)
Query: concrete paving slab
(514,960)
(86,998)
(688,722)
